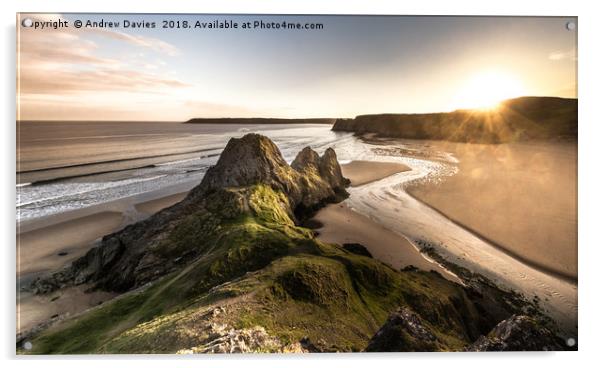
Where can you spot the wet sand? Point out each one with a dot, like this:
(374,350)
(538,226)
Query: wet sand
(388,203)
(156,205)
(33,310)
(340,225)
(520,197)
(51,247)
(364,172)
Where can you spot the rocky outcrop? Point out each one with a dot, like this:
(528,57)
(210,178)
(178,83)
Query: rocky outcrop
(518,333)
(166,241)
(250,160)
(489,318)
(404,330)
(319,177)
(525,118)
(254,159)
(357,248)
(224,340)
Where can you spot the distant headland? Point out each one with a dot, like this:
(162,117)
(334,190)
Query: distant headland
(519,119)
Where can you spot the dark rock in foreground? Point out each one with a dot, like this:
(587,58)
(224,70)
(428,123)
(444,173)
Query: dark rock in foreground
(403,331)
(357,248)
(518,333)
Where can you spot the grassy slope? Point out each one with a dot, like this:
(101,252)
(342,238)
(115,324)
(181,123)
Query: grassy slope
(270,273)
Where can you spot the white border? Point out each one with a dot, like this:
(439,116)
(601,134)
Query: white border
(589,168)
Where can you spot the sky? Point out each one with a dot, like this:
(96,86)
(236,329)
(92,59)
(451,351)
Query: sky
(354,65)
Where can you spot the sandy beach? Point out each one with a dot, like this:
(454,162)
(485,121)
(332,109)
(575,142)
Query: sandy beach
(521,197)
(388,203)
(51,247)
(364,172)
(33,310)
(156,205)
(340,225)
(48,248)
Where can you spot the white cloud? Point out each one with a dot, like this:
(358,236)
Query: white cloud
(562,55)
(141,41)
(70,67)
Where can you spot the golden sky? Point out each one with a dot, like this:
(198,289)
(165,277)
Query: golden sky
(354,65)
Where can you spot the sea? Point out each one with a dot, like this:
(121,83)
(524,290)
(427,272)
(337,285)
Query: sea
(66,166)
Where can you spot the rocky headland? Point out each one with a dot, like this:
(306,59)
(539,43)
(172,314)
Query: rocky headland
(231,269)
(519,119)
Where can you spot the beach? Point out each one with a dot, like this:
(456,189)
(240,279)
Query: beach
(341,225)
(526,202)
(389,202)
(51,247)
(364,172)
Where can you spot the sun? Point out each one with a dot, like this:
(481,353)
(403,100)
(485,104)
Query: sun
(487,89)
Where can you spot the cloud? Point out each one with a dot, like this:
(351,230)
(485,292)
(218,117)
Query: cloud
(99,80)
(45,107)
(68,68)
(136,40)
(563,55)
(141,41)
(44,49)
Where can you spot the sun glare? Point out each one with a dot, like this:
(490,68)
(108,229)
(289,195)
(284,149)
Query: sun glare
(486,90)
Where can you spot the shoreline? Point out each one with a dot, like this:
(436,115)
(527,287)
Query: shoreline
(527,262)
(340,224)
(66,233)
(521,198)
(390,204)
(361,172)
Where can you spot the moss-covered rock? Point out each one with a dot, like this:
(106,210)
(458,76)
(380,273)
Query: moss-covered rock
(250,179)
(318,281)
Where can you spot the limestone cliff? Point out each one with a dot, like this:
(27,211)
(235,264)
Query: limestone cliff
(525,118)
